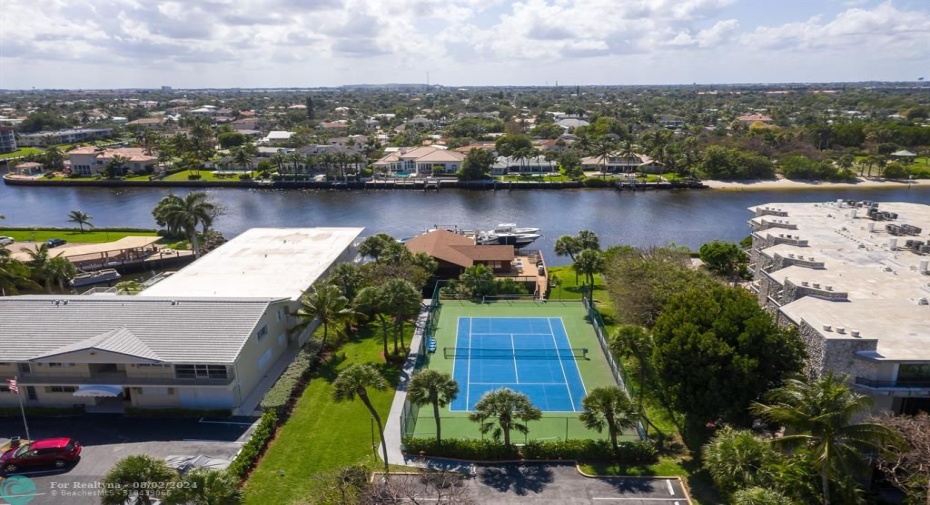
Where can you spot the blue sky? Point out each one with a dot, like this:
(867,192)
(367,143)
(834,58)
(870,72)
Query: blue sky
(300,43)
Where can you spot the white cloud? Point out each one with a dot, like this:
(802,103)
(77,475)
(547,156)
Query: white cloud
(472,41)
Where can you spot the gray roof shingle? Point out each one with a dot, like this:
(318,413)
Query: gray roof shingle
(173,330)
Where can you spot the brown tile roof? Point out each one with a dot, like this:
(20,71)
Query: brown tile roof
(457,249)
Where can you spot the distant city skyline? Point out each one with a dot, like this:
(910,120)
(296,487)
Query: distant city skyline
(106,44)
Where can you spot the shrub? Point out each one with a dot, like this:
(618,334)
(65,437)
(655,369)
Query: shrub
(193,177)
(184,413)
(632,453)
(254,448)
(290,385)
(597,182)
(245,177)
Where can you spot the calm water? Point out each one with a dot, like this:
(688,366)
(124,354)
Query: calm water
(688,218)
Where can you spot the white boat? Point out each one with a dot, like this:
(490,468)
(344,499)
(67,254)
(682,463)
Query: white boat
(512,228)
(517,240)
(97,277)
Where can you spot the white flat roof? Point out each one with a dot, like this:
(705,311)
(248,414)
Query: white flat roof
(262,262)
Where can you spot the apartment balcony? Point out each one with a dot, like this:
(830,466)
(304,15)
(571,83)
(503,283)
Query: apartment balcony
(118,379)
(886,385)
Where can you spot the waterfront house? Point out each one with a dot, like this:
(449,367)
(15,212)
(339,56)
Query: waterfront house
(454,253)
(90,160)
(621,164)
(420,160)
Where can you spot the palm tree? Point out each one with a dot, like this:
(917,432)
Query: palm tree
(370,301)
(243,158)
(39,265)
(206,487)
(588,263)
(432,387)
(59,270)
(355,381)
(278,159)
(500,411)
(609,406)
(818,415)
(738,459)
(185,214)
(324,303)
(14,274)
(402,300)
(133,477)
(568,245)
(53,159)
(116,166)
(81,218)
(588,240)
(348,277)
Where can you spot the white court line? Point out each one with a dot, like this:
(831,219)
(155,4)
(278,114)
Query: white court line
(513,347)
(521,383)
(564,377)
(468,387)
(671,490)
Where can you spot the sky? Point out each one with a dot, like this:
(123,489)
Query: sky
(106,44)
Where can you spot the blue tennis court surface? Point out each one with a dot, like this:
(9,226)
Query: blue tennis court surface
(531,355)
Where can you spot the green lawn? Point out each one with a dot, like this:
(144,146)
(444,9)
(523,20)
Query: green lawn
(205,175)
(322,435)
(25,151)
(72,235)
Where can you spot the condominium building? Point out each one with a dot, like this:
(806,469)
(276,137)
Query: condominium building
(853,278)
(7,139)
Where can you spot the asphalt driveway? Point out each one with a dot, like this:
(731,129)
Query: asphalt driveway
(108,438)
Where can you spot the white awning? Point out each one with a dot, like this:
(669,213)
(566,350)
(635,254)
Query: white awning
(99,391)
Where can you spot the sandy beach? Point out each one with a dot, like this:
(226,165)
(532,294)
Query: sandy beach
(786,184)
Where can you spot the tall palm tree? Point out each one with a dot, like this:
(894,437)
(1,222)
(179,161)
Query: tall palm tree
(432,387)
(14,274)
(278,159)
(610,407)
(818,415)
(243,158)
(53,159)
(402,301)
(185,214)
(348,277)
(133,478)
(81,218)
(738,459)
(324,302)
(206,487)
(370,301)
(502,410)
(588,263)
(354,382)
(38,264)
(588,240)
(568,245)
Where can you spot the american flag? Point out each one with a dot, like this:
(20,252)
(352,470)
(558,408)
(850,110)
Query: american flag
(14,388)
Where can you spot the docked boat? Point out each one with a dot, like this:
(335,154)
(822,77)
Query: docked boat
(512,228)
(517,240)
(98,277)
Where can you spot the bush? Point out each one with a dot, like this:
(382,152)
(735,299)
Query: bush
(597,182)
(256,445)
(291,384)
(182,413)
(193,177)
(245,177)
(632,453)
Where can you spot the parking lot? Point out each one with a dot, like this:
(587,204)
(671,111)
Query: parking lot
(107,438)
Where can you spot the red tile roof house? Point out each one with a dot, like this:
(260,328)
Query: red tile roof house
(420,160)
(754,118)
(455,253)
(89,160)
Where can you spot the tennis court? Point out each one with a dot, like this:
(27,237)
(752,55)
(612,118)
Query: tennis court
(546,350)
(530,355)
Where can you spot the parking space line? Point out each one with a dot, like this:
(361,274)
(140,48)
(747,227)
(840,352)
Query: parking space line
(224,422)
(671,490)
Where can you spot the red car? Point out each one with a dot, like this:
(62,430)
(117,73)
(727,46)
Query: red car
(57,452)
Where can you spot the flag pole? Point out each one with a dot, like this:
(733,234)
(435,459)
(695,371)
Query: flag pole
(21,408)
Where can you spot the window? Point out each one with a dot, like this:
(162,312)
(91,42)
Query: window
(264,360)
(60,389)
(155,391)
(4,388)
(54,365)
(200,371)
(262,333)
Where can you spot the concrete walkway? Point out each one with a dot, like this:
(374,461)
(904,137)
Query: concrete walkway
(392,434)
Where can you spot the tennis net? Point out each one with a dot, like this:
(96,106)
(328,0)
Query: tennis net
(491,353)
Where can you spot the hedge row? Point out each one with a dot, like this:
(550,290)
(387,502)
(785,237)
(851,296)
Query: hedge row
(289,386)
(631,453)
(183,413)
(254,448)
